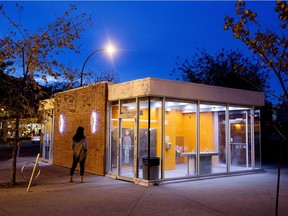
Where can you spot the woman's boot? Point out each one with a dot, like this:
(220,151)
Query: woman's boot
(81,179)
(70,178)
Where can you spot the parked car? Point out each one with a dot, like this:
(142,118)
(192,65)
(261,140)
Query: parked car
(35,138)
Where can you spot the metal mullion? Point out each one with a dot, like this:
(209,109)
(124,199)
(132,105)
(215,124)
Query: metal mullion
(136,140)
(247,138)
(163,138)
(227,130)
(198,138)
(252,139)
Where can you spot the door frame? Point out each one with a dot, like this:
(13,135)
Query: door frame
(245,141)
(119,153)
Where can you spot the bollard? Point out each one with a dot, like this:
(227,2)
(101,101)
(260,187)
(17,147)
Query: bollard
(34,168)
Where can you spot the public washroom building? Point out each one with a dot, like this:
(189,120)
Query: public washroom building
(184,130)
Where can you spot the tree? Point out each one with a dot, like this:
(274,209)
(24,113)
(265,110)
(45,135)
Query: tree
(108,76)
(36,54)
(225,68)
(90,78)
(271,46)
(4,68)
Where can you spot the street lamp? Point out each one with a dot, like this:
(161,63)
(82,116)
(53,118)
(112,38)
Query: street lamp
(109,49)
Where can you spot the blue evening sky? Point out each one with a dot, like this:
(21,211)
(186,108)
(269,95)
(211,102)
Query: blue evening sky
(148,35)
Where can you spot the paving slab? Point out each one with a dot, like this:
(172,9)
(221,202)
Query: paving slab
(52,194)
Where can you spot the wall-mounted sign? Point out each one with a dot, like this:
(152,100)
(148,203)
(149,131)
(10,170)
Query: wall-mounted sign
(130,114)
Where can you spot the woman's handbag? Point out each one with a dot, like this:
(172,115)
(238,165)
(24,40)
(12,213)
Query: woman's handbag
(79,151)
(82,155)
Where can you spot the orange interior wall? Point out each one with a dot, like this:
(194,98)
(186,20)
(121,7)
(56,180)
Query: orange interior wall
(177,124)
(157,116)
(173,128)
(115,110)
(189,131)
(184,125)
(206,132)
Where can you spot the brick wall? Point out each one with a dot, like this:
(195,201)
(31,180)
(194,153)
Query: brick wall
(75,107)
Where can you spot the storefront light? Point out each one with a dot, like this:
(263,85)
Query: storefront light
(238,126)
(131,107)
(93,122)
(61,123)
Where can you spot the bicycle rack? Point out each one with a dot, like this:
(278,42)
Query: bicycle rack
(23,169)
(36,166)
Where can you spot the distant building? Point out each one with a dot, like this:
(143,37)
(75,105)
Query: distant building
(29,126)
(178,130)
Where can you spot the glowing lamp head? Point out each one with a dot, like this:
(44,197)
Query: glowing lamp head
(110,49)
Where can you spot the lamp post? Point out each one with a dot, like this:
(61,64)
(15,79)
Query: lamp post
(109,49)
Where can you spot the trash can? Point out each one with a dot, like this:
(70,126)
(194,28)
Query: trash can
(153,163)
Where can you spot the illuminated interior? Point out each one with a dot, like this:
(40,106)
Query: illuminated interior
(190,138)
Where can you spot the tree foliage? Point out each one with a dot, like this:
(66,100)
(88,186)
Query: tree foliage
(89,78)
(35,55)
(270,45)
(225,68)
(38,52)
(272,48)
(108,76)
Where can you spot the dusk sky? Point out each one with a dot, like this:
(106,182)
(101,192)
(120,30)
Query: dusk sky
(148,35)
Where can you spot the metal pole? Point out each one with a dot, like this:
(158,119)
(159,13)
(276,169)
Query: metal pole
(278,179)
(32,175)
(149,147)
(82,71)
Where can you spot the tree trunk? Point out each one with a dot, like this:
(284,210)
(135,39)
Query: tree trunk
(14,153)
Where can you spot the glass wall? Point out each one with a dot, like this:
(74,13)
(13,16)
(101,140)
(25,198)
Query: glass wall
(180,139)
(127,132)
(122,133)
(212,138)
(46,142)
(239,138)
(114,130)
(150,136)
(189,138)
(257,139)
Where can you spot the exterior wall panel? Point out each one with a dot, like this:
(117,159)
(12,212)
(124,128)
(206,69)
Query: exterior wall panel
(76,107)
(184,90)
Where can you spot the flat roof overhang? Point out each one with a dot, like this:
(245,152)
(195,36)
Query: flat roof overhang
(183,90)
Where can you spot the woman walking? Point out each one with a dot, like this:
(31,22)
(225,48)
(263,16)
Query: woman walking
(79,147)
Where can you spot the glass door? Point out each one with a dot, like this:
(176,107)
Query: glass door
(123,133)
(122,139)
(47,137)
(126,148)
(238,140)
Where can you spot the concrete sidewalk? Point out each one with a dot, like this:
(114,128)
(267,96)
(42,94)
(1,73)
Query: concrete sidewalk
(53,195)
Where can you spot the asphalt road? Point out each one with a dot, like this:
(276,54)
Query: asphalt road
(27,149)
